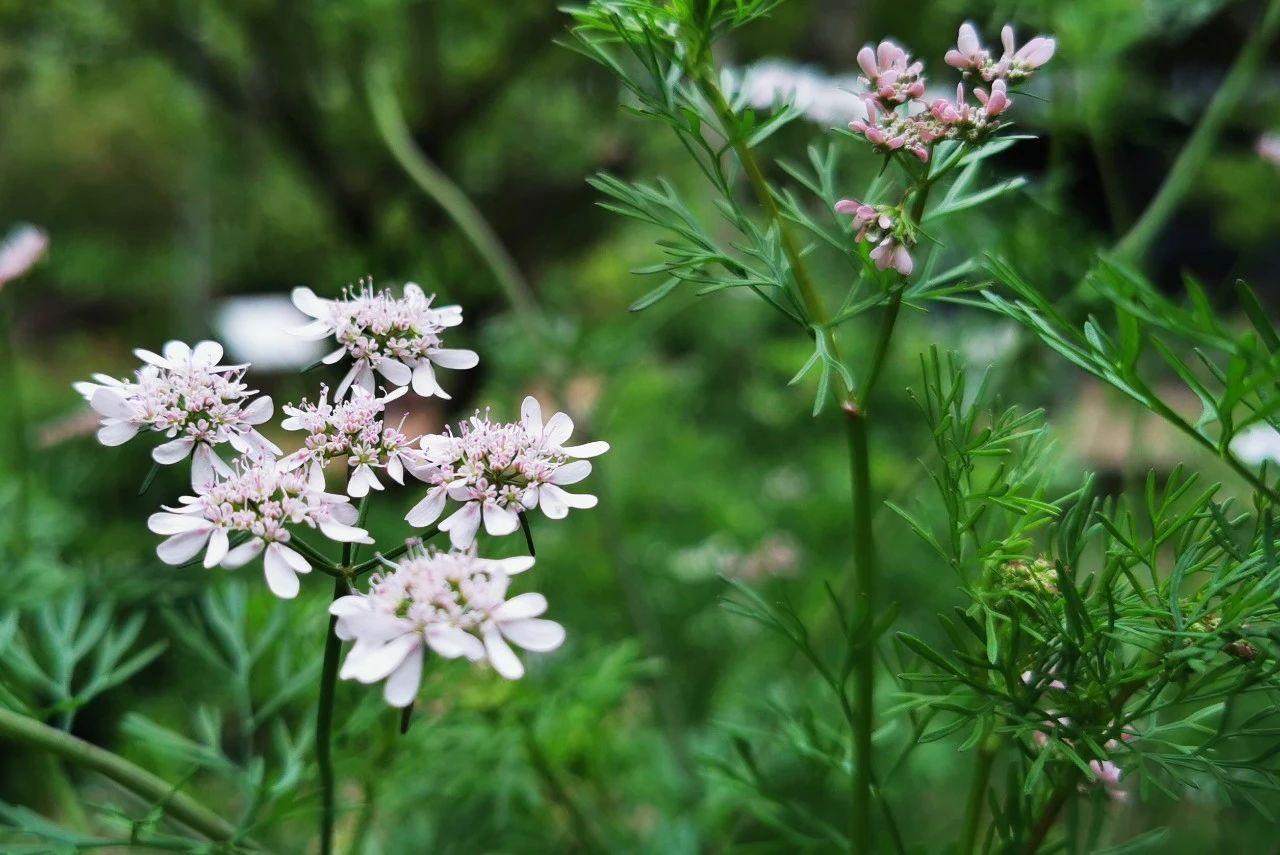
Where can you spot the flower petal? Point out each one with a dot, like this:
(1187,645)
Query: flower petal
(244,553)
(371,664)
(308,303)
(498,520)
(587,449)
(281,578)
(428,510)
(456,358)
(173,451)
(181,548)
(559,428)
(402,685)
(501,656)
(522,606)
(533,634)
(571,473)
(218,546)
(531,415)
(462,525)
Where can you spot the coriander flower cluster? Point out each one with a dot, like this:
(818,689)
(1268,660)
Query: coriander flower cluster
(399,338)
(897,119)
(453,603)
(264,502)
(499,470)
(887,229)
(183,393)
(261,500)
(353,429)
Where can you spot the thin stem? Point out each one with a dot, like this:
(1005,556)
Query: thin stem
(391,125)
(977,798)
(527,528)
(1134,245)
(324,724)
(861,650)
(314,554)
(379,557)
(135,779)
(1049,816)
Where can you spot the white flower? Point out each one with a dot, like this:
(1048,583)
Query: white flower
(1257,444)
(353,429)
(499,470)
(260,499)
(20,250)
(451,602)
(398,338)
(184,394)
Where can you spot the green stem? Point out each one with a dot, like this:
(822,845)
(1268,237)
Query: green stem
(977,798)
(861,649)
(133,778)
(1134,245)
(324,724)
(399,141)
(365,566)
(18,425)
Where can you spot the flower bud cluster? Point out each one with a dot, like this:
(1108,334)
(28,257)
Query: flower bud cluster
(887,229)
(1015,64)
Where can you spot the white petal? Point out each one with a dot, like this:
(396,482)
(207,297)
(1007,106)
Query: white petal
(335,530)
(170,523)
(424,381)
(369,665)
(531,415)
(498,520)
(204,466)
(218,546)
(308,303)
(244,553)
(292,557)
(176,352)
(349,379)
(281,578)
(395,371)
(462,525)
(332,357)
(571,473)
(501,655)
(313,331)
(451,643)
(559,428)
(361,480)
(259,411)
(511,566)
(206,353)
(151,358)
(181,548)
(116,433)
(555,502)
(534,634)
(524,606)
(110,403)
(173,450)
(454,358)
(402,685)
(587,449)
(428,510)
(395,469)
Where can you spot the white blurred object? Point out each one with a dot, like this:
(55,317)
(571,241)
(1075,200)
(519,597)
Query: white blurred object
(1257,445)
(822,98)
(21,249)
(255,329)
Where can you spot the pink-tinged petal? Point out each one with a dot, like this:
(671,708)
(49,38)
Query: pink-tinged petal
(21,249)
(531,415)
(848,206)
(281,578)
(308,303)
(956,59)
(452,643)
(181,548)
(333,357)
(1037,52)
(501,656)
(454,358)
(395,469)
(369,665)
(219,545)
(967,40)
(536,634)
(1006,39)
(244,553)
(205,466)
(902,261)
(523,606)
(173,451)
(499,521)
(462,525)
(428,510)
(294,559)
(867,62)
(402,685)
(571,473)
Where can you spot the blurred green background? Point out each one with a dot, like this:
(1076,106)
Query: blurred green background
(182,153)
